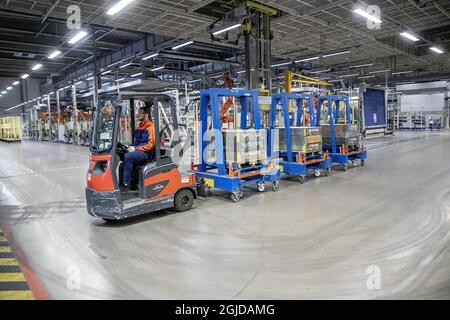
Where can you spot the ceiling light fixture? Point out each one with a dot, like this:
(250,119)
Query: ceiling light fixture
(24,76)
(306,59)
(9,88)
(244,71)
(54,54)
(118,7)
(158,68)
(280,64)
(437,50)
(401,72)
(136,75)
(4,92)
(380,71)
(336,53)
(16,83)
(409,36)
(153,55)
(368,16)
(228,28)
(185,44)
(365,77)
(125,65)
(106,72)
(77,37)
(36,67)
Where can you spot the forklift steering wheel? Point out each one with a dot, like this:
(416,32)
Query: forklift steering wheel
(121,148)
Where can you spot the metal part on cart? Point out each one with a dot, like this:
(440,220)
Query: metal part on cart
(299,147)
(341,140)
(232,160)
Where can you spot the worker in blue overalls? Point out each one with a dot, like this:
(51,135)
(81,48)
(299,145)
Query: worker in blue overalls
(143,148)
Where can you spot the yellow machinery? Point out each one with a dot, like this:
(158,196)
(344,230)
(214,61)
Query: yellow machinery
(293,78)
(11,129)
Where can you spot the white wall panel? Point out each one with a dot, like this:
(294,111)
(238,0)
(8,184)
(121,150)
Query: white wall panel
(422,102)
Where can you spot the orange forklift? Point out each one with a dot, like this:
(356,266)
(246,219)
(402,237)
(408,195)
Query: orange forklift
(156,184)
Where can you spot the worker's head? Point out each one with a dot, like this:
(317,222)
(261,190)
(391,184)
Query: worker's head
(142,113)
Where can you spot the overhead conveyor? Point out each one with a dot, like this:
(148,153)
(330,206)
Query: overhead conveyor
(297,141)
(341,136)
(233,159)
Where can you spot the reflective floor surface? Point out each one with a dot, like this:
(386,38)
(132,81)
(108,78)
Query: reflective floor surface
(382,231)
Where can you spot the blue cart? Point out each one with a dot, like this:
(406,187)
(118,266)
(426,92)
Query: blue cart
(296,163)
(232,177)
(340,153)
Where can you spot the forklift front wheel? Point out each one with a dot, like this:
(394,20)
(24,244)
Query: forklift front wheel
(275,185)
(354,163)
(317,173)
(261,187)
(301,179)
(327,171)
(184,200)
(345,166)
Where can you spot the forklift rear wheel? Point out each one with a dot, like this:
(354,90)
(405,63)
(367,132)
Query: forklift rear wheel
(301,179)
(362,163)
(235,196)
(354,163)
(261,187)
(345,166)
(316,172)
(327,171)
(184,200)
(275,185)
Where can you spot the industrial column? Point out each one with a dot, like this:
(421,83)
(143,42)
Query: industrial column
(49,110)
(258,45)
(58,106)
(75,114)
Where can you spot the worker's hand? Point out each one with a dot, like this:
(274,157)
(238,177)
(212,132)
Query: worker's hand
(131,149)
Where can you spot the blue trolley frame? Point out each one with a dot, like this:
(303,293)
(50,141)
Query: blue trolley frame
(231,177)
(339,154)
(290,162)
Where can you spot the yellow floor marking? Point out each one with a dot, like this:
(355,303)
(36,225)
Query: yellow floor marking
(8,262)
(16,295)
(10,277)
(5,250)
(2,238)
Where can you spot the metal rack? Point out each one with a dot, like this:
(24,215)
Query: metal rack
(308,154)
(229,169)
(341,151)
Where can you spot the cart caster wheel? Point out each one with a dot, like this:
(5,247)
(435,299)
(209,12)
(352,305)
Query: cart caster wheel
(241,194)
(345,166)
(301,179)
(261,187)
(354,163)
(235,196)
(275,186)
(327,171)
(362,163)
(316,173)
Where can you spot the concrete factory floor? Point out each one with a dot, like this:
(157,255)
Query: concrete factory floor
(320,240)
